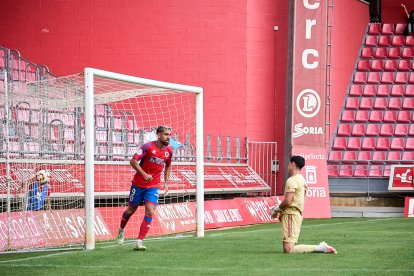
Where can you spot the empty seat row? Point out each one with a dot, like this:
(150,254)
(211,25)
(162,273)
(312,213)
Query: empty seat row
(387,52)
(371,143)
(374,157)
(377,116)
(375,130)
(382,90)
(389,40)
(383,77)
(375,171)
(384,65)
(379,103)
(387,29)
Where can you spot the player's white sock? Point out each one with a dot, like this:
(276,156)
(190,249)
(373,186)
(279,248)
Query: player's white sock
(304,248)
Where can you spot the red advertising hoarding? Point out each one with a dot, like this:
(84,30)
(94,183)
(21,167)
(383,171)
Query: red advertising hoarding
(401,178)
(409,207)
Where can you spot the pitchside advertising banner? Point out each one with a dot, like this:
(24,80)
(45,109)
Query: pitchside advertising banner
(309,74)
(401,178)
(409,207)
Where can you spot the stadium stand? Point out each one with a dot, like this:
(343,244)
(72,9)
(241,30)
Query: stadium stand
(375,127)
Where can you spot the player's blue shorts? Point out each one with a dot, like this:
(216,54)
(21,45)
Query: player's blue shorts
(138,196)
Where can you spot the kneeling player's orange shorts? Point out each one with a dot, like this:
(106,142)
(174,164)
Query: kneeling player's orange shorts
(291,224)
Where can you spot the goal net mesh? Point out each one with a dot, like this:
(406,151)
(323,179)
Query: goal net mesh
(43,128)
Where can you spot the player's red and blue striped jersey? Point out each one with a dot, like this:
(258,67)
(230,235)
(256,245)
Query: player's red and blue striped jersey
(153,159)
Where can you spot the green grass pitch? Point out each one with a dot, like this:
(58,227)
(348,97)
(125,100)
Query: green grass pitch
(366,246)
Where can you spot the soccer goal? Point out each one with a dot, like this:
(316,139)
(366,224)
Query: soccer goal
(81,131)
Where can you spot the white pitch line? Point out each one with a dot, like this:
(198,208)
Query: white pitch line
(261,269)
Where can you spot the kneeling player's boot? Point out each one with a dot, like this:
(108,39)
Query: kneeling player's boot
(120,236)
(139,246)
(327,248)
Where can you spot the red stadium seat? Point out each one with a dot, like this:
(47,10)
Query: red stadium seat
(408,103)
(367,52)
(355,90)
(361,116)
(387,171)
(363,65)
(380,103)
(397,143)
(409,40)
(387,29)
(397,40)
(404,116)
(374,29)
(352,103)
(411,130)
(372,130)
(399,28)
(411,79)
(409,144)
(408,157)
(339,143)
(401,130)
(374,77)
(390,65)
(375,116)
(394,103)
(404,65)
(381,53)
(335,156)
(377,65)
(387,77)
(390,116)
(345,171)
(369,90)
(375,171)
(394,157)
(394,52)
(332,171)
(379,157)
(397,90)
(385,40)
(358,130)
(360,77)
(386,130)
(368,143)
(354,143)
(344,130)
(409,90)
(361,171)
(383,90)
(348,116)
(349,157)
(383,143)
(366,103)
(363,157)
(401,77)
(408,53)
(371,40)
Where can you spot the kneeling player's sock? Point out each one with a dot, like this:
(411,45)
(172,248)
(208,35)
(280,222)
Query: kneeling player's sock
(145,227)
(124,220)
(303,248)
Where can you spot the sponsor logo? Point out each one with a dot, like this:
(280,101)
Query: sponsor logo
(300,130)
(404,177)
(311,174)
(308,103)
(156,160)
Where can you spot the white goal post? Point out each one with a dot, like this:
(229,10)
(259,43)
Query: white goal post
(90,74)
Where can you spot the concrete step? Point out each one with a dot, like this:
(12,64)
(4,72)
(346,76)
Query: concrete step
(366,212)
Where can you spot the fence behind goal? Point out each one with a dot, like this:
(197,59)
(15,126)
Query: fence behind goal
(82,130)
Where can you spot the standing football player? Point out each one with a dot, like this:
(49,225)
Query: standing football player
(291,209)
(148,163)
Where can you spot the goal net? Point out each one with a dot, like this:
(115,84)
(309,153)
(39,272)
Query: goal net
(83,130)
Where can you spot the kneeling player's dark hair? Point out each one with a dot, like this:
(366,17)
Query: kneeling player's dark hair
(298,160)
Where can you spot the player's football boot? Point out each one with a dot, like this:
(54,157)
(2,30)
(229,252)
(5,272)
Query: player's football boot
(120,236)
(139,246)
(327,248)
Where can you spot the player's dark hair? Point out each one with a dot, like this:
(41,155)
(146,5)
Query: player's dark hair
(161,129)
(298,160)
